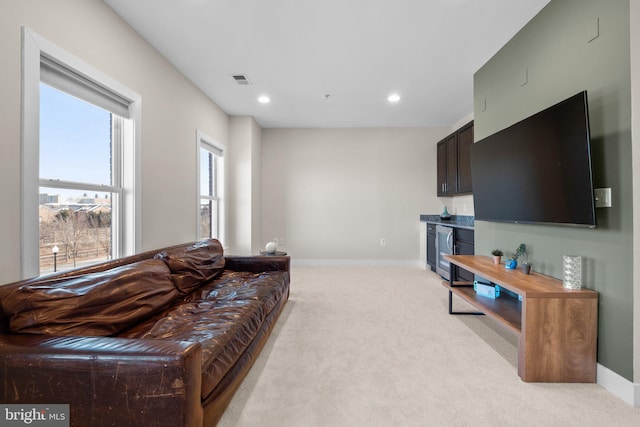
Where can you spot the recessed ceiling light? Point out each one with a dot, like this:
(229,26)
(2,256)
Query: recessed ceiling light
(393,98)
(264,99)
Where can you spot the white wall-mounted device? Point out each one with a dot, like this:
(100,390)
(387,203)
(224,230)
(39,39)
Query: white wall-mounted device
(603,197)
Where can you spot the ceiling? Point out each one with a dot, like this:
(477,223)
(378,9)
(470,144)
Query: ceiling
(332,63)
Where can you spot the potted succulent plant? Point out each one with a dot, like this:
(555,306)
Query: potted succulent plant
(512,262)
(497,255)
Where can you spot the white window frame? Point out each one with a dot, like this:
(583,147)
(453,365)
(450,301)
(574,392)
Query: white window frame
(34,49)
(211,145)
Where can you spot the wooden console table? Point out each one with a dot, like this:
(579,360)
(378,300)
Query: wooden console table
(556,327)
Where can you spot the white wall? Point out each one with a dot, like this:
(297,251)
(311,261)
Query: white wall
(172,110)
(332,194)
(245,203)
(256,187)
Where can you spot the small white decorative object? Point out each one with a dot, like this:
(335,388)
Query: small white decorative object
(572,269)
(271,248)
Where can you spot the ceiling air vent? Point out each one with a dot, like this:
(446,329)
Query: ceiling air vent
(241,79)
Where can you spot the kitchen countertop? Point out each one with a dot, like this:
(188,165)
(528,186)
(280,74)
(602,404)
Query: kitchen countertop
(459,221)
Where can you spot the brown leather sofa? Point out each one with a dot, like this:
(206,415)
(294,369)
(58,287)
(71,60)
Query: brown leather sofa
(162,338)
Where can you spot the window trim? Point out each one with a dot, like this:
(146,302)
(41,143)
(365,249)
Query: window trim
(210,144)
(34,48)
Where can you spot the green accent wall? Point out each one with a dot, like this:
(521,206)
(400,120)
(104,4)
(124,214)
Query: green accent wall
(570,46)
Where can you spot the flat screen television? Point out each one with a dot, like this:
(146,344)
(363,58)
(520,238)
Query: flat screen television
(537,171)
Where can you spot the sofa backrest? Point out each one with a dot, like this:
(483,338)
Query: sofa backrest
(29,306)
(195,264)
(95,304)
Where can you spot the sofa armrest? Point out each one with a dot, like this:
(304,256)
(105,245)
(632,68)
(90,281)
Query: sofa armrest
(106,381)
(257,264)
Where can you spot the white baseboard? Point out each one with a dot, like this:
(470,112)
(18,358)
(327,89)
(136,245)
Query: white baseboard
(354,262)
(618,385)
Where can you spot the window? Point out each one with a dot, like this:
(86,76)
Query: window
(80,145)
(79,183)
(210,188)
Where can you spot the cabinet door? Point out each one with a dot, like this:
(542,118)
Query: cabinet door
(442,167)
(431,246)
(464,245)
(465,139)
(464,248)
(451,186)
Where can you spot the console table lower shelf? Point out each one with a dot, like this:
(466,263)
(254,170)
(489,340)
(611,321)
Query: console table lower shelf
(556,327)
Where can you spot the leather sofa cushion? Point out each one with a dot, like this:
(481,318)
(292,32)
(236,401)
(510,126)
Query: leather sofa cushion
(98,304)
(224,317)
(193,266)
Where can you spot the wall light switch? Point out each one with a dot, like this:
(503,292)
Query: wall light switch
(603,197)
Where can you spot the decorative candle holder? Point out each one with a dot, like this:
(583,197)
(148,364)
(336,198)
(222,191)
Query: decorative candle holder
(572,270)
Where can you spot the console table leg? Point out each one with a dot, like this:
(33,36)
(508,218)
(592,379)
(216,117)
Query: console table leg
(471,313)
(451,285)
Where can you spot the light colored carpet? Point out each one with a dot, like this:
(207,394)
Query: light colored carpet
(375,346)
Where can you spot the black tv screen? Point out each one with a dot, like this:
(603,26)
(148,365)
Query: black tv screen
(538,170)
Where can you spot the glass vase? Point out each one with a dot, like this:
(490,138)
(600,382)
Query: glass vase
(572,271)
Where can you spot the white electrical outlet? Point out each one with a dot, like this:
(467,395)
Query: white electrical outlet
(383,241)
(603,197)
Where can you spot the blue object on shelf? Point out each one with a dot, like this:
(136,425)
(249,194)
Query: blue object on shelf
(486,290)
(510,264)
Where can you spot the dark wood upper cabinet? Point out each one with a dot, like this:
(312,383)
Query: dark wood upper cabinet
(454,166)
(452,161)
(442,167)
